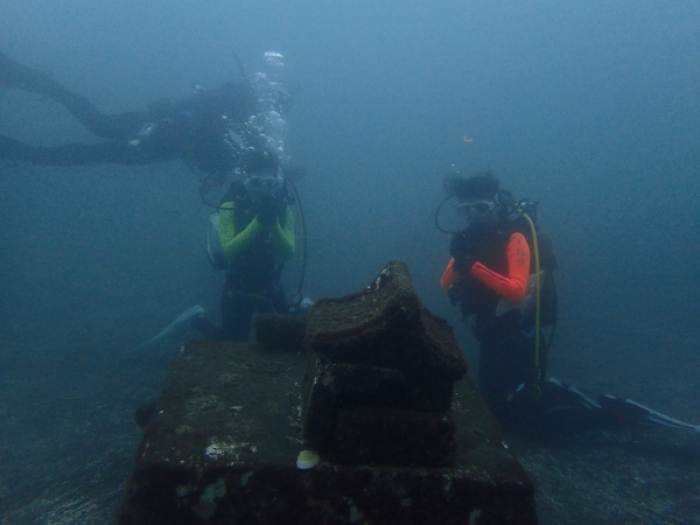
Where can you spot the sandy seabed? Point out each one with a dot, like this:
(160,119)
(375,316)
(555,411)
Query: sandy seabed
(67,440)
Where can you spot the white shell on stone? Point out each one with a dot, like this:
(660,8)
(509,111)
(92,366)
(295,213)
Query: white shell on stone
(307,459)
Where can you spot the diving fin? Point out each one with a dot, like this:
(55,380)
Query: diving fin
(568,395)
(14,150)
(179,321)
(626,410)
(16,75)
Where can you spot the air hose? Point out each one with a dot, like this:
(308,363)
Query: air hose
(536,390)
(301,269)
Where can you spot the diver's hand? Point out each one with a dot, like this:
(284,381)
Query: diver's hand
(455,293)
(463,290)
(267,221)
(463,265)
(267,217)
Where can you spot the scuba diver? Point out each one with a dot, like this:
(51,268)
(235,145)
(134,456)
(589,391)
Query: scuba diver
(501,273)
(234,130)
(202,128)
(253,236)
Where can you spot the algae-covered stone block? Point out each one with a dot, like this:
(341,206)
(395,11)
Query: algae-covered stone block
(400,435)
(223,443)
(379,348)
(282,331)
(393,437)
(385,325)
(331,387)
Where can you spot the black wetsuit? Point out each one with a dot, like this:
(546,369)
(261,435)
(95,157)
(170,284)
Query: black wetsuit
(192,127)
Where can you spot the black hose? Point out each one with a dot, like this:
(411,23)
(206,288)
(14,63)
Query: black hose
(437,213)
(297,295)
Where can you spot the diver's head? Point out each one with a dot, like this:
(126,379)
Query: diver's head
(262,177)
(480,197)
(264,188)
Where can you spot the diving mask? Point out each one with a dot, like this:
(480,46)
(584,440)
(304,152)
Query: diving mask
(264,187)
(475,210)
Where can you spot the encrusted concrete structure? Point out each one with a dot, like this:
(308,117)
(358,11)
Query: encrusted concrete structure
(380,379)
(398,442)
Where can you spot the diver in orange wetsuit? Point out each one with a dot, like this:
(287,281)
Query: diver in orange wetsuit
(492,262)
(493,275)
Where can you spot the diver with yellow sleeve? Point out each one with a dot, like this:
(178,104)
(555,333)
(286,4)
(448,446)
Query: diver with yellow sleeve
(253,236)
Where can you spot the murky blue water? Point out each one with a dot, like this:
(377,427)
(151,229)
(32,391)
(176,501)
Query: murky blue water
(590,108)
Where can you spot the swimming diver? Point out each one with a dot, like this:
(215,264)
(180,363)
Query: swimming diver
(198,127)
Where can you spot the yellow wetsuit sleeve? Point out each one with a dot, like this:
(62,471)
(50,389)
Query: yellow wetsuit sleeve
(283,237)
(235,243)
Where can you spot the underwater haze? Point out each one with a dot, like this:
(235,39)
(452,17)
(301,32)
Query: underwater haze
(590,108)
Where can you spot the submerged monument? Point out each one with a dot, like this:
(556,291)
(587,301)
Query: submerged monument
(363,414)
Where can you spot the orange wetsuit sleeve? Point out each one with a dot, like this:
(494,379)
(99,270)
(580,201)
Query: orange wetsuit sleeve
(513,286)
(449,276)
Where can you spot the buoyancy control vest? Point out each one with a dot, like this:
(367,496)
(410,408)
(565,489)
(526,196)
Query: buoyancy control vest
(487,244)
(259,265)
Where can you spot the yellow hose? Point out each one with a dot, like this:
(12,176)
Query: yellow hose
(537,391)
